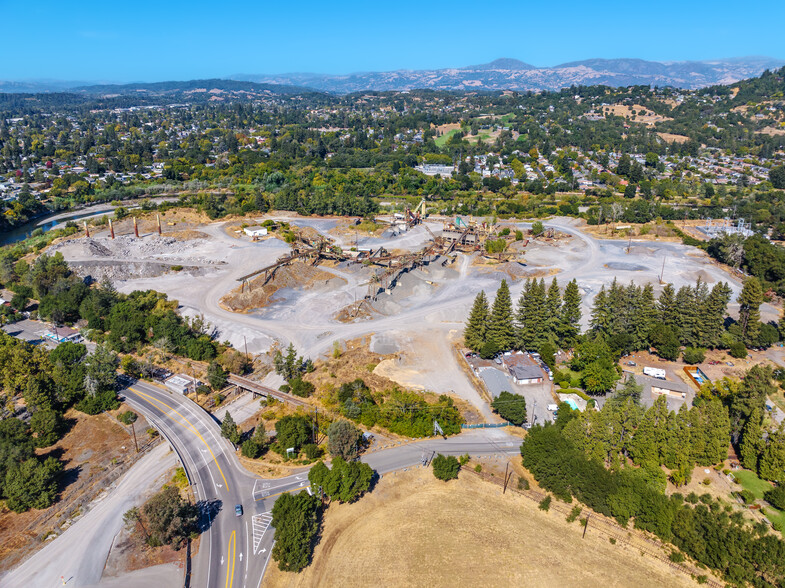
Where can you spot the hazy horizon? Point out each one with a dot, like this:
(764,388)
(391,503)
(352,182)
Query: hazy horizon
(154,41)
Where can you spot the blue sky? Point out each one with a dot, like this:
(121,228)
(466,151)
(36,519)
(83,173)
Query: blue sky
(170,39)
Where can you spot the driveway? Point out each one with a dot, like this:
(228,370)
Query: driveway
(538,396)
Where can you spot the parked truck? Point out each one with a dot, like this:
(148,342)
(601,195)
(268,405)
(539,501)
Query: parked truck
(654,373)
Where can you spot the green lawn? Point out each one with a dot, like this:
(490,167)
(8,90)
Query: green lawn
(440,141)
(777,518)
(749,481)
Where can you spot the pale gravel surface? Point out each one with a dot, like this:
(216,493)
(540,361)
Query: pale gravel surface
(419,317)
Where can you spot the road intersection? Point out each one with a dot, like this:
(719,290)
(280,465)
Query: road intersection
(235,550)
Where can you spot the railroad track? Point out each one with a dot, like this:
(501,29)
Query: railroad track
(258,388)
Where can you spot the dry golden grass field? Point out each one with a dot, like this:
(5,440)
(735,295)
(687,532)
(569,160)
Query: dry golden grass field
(414,530)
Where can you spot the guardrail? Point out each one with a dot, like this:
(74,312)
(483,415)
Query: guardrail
(487,425)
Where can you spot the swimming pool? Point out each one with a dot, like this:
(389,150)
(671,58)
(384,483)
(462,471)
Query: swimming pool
(572,404)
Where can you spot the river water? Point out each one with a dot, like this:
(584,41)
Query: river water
(51,220)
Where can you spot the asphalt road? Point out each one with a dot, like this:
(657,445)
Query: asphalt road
(235,550)
(80,553)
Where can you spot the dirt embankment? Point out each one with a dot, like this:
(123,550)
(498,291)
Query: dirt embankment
(414,530)
(96,451)
(259,293)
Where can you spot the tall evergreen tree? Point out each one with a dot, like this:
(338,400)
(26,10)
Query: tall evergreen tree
(688,315)
(666,303)
(772,459)
(712,315)
(570,315)
(533,316)
(749,300)
(500,331)
(717,432)
(474,334)
(752,443)
(600,313)
(553,305)
(679,456)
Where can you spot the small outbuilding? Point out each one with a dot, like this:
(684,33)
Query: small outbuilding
(526,374)
(255,232)
(179,384)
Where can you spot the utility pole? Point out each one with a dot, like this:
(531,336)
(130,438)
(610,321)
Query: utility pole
(133,430)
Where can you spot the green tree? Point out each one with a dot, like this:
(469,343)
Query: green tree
(32,484)
(296,523)
(169,519)
(511,407)
(229,429)
(749,300)
(533,316)
(445,467)
(299,387)
(345,482)
(569,328)
(537,228)
(752,394)
(343,439)
(752,443)
(474,334)
(500,325)
(47,426)
(777,177)
(292,431)
(693,355)
(776,496)
(631,389)
(216,375)
(772,459)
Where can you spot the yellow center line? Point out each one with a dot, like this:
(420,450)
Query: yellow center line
(231,552)
(190,426)
(278,493)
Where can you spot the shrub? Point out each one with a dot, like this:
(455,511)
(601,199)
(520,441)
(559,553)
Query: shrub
(523,483)
(747,496)
(574,513)
(693,355)
(537,228)
(312,451)
(478,468)
(445,467)
(676,556)
(737,350)
(545,503)
(776,497)
(250,448)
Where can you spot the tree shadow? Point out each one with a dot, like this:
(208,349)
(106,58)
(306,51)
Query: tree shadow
(68,477)
(208,510)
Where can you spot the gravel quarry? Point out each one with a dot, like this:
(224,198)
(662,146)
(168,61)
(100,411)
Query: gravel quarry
(420,319)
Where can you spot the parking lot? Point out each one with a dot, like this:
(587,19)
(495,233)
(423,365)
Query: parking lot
(498,379)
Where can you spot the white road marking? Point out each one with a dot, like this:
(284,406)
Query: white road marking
(260,523)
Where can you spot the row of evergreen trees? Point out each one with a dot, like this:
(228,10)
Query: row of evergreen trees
(542,316)
(651,438)
(631,318)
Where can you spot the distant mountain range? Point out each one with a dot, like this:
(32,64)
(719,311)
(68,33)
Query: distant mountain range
(511,74)
(501,74)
